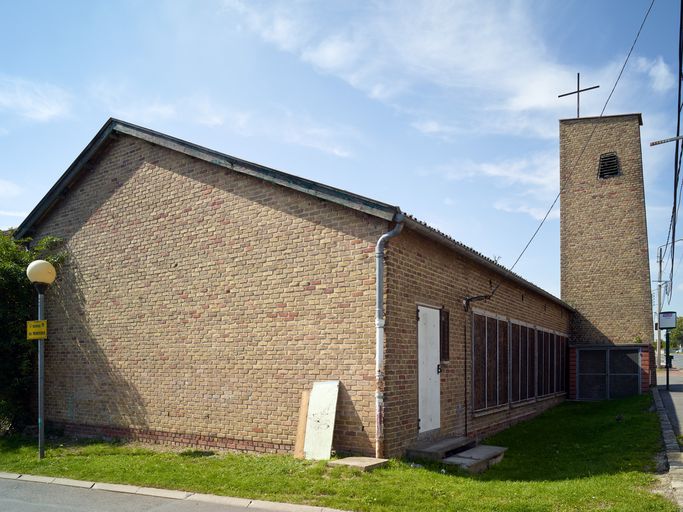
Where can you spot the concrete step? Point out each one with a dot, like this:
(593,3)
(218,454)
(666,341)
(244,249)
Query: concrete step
(438,450)
(477,459)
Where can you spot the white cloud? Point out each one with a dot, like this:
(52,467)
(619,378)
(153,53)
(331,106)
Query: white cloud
(204,111)
(121,102)
(530,184)
(298,129)
(9,213)
(537,213)
(271,122)
(485,61)
(436,128)
(538,173)
(9,189)
(32,100)
(285,25)
(661,77)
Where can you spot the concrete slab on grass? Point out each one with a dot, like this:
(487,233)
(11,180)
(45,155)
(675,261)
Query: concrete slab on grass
(9,476)
(482,452)
(469,465)
(363,463)
(477,459)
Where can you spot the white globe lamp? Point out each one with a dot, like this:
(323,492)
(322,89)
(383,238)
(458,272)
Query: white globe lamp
(41,272)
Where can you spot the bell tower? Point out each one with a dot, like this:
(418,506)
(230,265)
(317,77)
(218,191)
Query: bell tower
(605,273)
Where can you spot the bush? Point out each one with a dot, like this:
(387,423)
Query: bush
(17,305)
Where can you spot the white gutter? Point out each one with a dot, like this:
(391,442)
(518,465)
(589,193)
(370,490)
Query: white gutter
(399,218)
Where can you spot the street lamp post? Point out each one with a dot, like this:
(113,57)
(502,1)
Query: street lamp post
(42,274)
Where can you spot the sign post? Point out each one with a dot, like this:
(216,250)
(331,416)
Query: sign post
(36,329)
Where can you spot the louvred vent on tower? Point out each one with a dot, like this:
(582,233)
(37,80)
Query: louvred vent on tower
(609,166)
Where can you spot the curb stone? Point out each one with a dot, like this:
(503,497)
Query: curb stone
(673,455)
(256,505)
(73,483)
(37,478)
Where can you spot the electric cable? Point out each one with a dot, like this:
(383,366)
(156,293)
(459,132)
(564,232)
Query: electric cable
(557,197)
(677,161)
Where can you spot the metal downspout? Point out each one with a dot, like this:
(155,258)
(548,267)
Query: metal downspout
(399,218)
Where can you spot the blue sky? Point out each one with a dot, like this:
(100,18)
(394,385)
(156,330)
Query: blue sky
(446,109)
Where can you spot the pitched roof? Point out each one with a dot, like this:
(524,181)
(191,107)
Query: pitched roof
(342,197)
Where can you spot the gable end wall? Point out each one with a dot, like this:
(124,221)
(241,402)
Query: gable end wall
(198,303)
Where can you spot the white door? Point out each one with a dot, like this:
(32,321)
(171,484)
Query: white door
(429,387)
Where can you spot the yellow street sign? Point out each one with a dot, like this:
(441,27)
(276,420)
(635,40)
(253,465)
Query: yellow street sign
(36,330)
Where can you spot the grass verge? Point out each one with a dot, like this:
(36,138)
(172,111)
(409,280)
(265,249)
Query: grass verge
(578,456)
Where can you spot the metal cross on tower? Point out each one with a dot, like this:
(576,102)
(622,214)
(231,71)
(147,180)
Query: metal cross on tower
(578,92)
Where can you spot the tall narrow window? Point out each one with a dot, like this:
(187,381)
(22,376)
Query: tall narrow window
(444,338)
(533,356)
(516,359)
(540,364)
(502,362)
(526,361)
(479,366)
(491,362)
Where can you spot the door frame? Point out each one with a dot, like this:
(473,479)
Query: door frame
(436,347)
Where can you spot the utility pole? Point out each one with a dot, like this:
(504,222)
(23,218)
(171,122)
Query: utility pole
(660,283)
(659,309)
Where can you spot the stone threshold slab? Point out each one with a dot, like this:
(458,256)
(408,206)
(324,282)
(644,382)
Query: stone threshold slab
(362,463)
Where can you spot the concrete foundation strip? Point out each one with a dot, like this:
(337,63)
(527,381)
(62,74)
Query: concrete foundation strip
(673,451)
(170,494)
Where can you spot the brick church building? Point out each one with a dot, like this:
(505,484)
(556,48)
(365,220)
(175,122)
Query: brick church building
(202,294)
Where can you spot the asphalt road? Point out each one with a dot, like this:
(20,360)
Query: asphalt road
(673,399)
(18,496)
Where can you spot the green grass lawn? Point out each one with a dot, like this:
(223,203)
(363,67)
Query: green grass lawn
(578,456)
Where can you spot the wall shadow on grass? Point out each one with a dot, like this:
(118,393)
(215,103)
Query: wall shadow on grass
(580,440)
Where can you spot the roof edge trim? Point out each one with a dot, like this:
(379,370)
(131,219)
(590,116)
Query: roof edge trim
(342,197)
(593,118)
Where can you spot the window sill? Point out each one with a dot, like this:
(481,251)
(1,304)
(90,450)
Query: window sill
(515,405)
(490,410)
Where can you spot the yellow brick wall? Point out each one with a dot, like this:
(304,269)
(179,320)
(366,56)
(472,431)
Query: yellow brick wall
(201,302)
(421,271)
(604,264)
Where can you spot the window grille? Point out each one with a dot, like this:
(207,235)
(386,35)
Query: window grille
(609,166)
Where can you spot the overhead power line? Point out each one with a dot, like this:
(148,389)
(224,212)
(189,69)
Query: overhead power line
(583,149)
(677,157)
